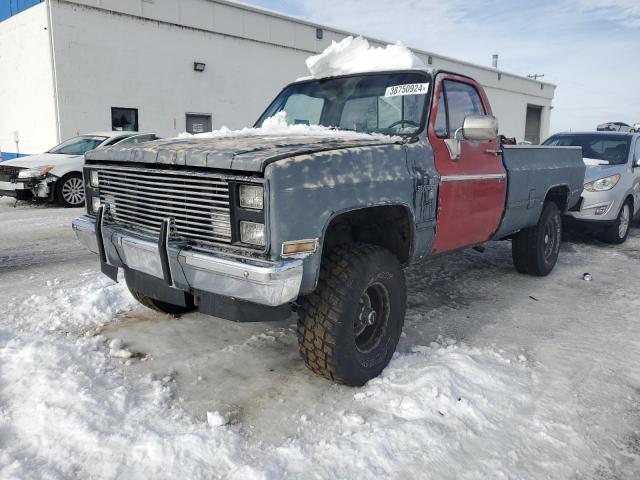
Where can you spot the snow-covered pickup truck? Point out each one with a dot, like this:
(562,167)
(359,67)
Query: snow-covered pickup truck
(317,209)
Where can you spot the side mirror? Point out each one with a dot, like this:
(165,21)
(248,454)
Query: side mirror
(480,128)
(476,128)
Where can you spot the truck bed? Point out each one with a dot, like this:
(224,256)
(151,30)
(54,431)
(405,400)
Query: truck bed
(532,171)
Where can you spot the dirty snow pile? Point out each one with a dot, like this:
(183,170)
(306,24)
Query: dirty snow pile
(355,55)
(279,126)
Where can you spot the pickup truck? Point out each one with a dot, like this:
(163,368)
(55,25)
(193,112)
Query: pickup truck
(375,171)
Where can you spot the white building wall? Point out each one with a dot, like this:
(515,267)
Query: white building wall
(140,54)
(26,83)
(107,60)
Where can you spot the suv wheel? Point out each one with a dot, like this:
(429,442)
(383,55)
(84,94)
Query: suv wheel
(70,190)
(618,231)
(350,325)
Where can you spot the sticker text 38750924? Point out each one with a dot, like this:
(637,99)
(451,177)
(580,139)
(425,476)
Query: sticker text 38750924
(407,89)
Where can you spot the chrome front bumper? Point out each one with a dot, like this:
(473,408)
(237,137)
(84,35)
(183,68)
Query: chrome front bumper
(258,281)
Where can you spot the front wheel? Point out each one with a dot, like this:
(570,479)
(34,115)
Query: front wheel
(535,250)
(350,325)
(70,190)
(618,231)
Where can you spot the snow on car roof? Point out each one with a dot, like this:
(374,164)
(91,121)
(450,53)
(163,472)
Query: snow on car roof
(355,55)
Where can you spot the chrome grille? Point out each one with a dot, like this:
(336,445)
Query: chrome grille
(198,203)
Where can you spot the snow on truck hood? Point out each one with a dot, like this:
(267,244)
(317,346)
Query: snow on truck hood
(248,149)
(355,55)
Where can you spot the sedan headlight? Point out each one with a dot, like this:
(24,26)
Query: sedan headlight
(252,233)
(252,196)
(602,184)
(35,172)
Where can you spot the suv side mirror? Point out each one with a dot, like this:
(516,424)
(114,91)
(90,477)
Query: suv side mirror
(480,127)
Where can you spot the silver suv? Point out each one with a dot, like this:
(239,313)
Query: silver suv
(611,196)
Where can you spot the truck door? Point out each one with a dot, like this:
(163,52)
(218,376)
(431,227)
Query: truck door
(473,186)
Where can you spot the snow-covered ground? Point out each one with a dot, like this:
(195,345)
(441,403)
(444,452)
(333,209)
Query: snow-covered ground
(498,375)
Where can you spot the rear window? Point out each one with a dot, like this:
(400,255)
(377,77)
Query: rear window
(608,150)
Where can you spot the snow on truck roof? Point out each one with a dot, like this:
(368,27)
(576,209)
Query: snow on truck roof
(354,55)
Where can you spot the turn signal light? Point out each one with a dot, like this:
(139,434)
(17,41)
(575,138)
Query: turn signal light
(299,246)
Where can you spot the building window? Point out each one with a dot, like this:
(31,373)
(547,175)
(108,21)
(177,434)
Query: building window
(124,119)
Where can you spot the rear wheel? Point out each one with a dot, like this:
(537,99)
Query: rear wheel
(70,190)
(160,306)
(618,231)
(350,325)
(535,250)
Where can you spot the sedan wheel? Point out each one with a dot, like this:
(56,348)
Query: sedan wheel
(71,190)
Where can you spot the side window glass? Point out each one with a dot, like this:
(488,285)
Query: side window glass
(113,141)
(441,125)
(462,100)
(636,156)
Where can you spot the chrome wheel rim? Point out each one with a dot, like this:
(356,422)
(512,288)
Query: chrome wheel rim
(372,317)
(625,216)
(73,191)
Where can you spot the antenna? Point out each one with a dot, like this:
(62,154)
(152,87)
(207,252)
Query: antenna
(535,76)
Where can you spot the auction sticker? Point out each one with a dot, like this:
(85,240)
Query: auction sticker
(407,89)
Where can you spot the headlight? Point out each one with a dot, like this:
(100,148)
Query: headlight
(35,172)
(252,196)
(603,184)
(252,233)
(93,178)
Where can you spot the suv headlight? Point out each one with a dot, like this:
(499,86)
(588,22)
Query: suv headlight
(252,196)
(35,172)
(602,184)
(252,233)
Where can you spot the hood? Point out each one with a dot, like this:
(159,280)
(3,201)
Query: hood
(246,153)
(42,159)
(596,172)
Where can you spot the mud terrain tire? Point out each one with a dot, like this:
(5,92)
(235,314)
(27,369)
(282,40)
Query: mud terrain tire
(535,250)
(349,327)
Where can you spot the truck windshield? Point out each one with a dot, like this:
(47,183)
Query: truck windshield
(389,103)
(78,145)
(603,149)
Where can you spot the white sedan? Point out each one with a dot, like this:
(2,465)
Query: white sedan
(57,174)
